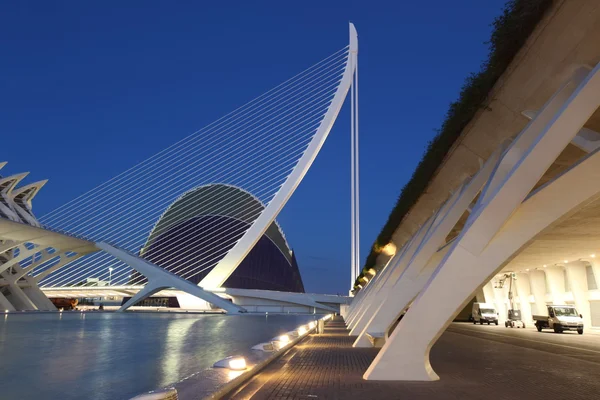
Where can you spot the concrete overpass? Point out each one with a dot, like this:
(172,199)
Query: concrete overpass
(517,192)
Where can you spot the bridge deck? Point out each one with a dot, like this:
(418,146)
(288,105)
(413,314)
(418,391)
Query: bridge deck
(327,367)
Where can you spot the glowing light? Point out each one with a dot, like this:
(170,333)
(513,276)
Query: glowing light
(526,269)
(277,345)
(5,311)
(593,255)
(237,364)
(301,330)
(285,339)
(566,261)
(389,249)
(312,324)
(545,265)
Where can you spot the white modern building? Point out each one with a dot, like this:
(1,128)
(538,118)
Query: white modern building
(18,290)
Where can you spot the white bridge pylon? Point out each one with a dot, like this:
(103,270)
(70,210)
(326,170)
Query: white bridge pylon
(234,257)
(437,279)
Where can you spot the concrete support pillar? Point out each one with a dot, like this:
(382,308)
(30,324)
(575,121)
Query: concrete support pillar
(5,304)
(38,298)
(401,295)
(364,294)
(19,299)
(524,292)
(421,257)
(371,290)
(359,299)
(397,268)
(497,297)
(538,288)
(480,296)
(555,276)
(503,220)
(488,292)
(371,303)
(596,268)
(576,274)
(501,302)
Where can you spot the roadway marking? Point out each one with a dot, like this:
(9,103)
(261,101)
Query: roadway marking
(528,340)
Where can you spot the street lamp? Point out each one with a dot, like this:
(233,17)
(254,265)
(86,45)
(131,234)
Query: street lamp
(110,270)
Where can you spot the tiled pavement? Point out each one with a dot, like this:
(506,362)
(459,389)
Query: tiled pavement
(327,367)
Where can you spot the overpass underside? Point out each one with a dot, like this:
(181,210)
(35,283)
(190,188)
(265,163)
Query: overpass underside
(518,194)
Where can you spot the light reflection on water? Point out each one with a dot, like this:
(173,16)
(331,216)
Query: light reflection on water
(117,356)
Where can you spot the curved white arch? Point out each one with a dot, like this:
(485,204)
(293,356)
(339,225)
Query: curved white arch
(229,263)
(215,184)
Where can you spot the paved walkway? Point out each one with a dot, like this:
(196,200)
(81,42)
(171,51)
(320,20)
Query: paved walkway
(327,367)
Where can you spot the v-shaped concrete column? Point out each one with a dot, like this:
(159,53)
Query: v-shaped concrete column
(396,270)
(371,289)
(427,257)
(500,224)
(159,278)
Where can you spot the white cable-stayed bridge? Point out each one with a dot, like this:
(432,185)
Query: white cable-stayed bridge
(138,233)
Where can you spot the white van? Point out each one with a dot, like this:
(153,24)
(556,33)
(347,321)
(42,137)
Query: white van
(484,312)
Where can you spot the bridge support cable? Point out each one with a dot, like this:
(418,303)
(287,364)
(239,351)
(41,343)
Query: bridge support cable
(262,186)
(263,148)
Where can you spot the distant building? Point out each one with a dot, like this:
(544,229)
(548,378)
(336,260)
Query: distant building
(15,203)
(203,224)
(18,291)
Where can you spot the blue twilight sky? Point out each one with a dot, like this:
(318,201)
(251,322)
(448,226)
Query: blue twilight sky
(89,89)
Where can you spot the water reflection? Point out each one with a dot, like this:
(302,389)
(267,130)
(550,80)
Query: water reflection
(176,335)
(116,356)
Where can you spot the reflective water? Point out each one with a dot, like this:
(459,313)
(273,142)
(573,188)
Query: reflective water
(117,356)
